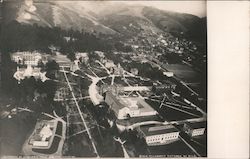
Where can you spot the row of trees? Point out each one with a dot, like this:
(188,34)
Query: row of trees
(15,36)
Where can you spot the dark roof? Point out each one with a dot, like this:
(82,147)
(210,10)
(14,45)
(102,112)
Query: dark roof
(157,130)
(134,120)
(196,125)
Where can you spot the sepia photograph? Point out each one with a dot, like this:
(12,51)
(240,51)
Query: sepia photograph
(117,79)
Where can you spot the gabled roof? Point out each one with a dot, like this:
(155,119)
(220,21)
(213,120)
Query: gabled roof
(116,104)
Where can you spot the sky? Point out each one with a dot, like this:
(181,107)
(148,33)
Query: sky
(197,8)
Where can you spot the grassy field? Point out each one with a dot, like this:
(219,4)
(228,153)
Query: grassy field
(184,72)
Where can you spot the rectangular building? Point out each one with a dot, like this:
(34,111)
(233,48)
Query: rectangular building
(164,88)
(159,134)
(27,58)
(126,107)
(195,129)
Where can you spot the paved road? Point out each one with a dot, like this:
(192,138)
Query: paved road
(80,113)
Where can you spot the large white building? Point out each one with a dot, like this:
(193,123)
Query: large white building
(46,139)
(28,58)
(82,57)
(126,107)
(159,134)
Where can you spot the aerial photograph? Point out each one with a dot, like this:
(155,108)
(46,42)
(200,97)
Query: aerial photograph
(117,79)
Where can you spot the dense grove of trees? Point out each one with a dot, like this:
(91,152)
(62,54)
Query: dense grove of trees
(171,58)
(121,47)
(24,92)
(8,69)
(146,70)
(16,36)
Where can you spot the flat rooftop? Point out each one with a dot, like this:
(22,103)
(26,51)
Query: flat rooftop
(149,130)
(141,119)
(136,103)
(133,103)
(42,128)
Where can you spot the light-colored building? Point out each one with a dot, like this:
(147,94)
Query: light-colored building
(126,107)
(30,71)
(168,74)
(159,134)
(46,139)
(195,129)
(82,57)
(133,88)
(100,54)
(135,46)
(118,70)
(134,71)
(28,58)
(163,88)
(75,66)
(109,64)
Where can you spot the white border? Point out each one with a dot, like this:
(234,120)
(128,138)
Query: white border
(228,79)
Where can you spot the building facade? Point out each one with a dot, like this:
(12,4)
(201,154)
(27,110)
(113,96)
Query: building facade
(164,88)
(27,58)
(127,107)
(82,57)
(159,135)
(134,71)
(195,129)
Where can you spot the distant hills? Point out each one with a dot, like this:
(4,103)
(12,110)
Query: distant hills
(105,17)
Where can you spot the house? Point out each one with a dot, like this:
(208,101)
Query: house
(128,107)
(195,129)
(135,46)
(134,71)
(75,66)
(82,57)
(109,64)
(158,134)
(164,88)
(168,74)
(47,138)
(100,54)
(118,70)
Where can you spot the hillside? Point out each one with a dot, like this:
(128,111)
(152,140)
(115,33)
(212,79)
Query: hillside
(100,18)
